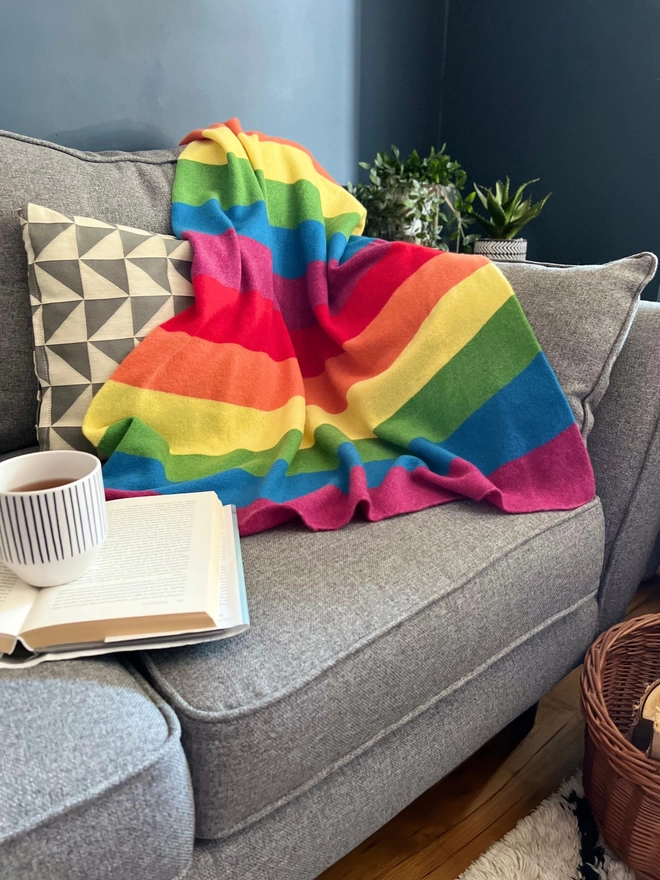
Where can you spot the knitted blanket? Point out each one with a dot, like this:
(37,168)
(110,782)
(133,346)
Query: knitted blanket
(320,371)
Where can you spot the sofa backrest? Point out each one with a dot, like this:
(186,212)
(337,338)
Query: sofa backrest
(133,189)
(624,447)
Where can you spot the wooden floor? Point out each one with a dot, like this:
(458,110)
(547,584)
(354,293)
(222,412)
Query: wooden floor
(441,833)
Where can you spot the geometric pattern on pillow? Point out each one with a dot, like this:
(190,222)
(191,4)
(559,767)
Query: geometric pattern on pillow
(96,290)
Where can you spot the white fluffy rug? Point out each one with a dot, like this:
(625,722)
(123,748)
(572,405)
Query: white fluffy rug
(558,841)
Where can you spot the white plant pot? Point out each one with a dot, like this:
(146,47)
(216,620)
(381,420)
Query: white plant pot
(514,251)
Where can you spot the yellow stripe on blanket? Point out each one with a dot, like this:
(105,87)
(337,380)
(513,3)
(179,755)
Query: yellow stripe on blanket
(451,324)
(276,162)
(191,426)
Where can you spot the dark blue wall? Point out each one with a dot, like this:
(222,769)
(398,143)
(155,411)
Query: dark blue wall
(401,66)
(568,91)
(134,74)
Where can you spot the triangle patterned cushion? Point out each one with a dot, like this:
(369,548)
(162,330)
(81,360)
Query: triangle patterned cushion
(96,291)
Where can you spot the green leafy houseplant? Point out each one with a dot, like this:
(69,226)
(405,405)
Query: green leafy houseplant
(507,214)
(417,199)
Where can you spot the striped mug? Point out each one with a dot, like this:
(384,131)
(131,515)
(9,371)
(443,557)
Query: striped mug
(52,515)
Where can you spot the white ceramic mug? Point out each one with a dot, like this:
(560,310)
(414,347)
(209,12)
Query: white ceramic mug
(51,536)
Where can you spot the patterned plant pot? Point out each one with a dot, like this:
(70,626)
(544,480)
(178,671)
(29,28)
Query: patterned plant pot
(501,249)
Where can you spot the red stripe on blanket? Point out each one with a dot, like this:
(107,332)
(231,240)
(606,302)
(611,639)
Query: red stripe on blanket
(222,314)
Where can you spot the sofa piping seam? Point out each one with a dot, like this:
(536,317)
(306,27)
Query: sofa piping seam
(84,156)
(633,498)
(615,349)
(633,494)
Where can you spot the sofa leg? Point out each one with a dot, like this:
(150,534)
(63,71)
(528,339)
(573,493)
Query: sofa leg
(523,724)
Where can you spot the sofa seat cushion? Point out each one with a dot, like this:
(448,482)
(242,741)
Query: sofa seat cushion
(356,632)
(93,780)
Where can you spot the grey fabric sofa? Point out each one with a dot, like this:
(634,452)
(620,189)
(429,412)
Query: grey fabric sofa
(380,656)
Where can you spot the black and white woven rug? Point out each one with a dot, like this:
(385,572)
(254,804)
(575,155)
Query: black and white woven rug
(558,841)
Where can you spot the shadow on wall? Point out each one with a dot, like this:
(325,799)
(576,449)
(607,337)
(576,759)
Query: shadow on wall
(115,134)
(346,78)
(133,75)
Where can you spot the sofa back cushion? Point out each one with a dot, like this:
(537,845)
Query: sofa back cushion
(132,189)
(581,316)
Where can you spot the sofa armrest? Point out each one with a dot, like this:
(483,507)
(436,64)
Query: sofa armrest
(624,446)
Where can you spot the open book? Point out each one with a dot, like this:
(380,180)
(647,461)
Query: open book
(170,573)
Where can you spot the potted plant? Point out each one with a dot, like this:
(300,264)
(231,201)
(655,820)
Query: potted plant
(507,214)
(416,199)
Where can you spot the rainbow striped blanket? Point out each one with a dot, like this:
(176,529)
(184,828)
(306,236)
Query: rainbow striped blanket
(321,372)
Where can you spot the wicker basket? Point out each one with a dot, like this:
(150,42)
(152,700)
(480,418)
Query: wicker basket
(621,783)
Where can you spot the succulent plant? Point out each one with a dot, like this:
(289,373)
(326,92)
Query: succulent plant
(507,214)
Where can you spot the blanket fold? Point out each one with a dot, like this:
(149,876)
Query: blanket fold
(320,371)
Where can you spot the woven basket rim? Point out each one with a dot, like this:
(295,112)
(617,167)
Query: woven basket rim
(624,757)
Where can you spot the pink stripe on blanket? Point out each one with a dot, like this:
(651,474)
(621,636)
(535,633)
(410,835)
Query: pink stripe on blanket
(407,491)
(246,265)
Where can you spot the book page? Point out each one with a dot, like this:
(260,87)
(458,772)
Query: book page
(156,561)
(232,602)
(16,600)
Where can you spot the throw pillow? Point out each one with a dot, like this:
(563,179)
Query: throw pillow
(134,189)
(96,290)
(581,316)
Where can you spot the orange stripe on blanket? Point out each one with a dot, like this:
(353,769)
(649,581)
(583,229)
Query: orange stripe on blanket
(315,346)
(238,375)
(388,334)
